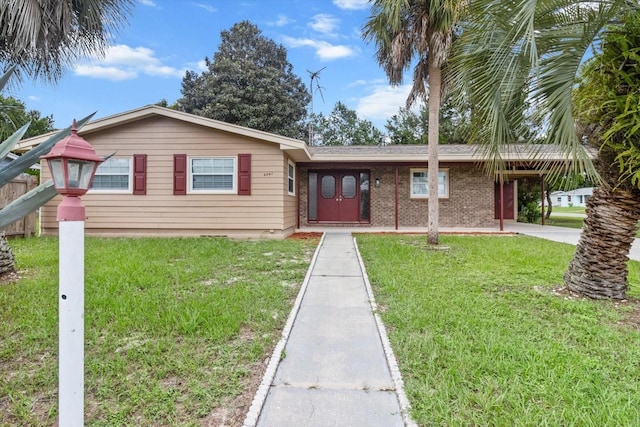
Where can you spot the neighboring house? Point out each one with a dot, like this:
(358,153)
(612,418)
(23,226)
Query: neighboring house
(577,197)
(179,174)
(11,157)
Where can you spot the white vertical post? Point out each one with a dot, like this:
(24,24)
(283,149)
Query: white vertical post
(71,324)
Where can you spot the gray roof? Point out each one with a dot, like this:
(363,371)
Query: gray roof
(446,152)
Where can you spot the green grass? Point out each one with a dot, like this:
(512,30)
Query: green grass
(564,221)
(569,209)
(176,330)
(482,339)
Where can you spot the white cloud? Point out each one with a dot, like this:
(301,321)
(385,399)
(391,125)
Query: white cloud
(147,3)
(351,4)
(201,65)
(125,55)
(33,98)
(206,7)
(357,83)
(280,22)
(324,50)
(383,102)
(108,73)
(122,62)
(325,24)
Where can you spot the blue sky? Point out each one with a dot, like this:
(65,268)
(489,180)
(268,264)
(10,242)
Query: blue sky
(164,38)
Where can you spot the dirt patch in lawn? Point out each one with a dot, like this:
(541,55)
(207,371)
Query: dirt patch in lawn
(629,308)
(9,277)
(305,236)
(234,412)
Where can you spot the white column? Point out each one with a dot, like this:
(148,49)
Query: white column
(71,324)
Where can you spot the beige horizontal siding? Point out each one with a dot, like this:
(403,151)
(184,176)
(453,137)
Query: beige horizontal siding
(195,213)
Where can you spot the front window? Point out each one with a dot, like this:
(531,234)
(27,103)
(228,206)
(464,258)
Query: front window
(212,174)
(292,179)
(113,174)
(420,183)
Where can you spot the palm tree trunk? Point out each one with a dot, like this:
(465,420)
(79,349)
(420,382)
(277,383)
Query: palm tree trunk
(435,83)
(7,260)
(599,267)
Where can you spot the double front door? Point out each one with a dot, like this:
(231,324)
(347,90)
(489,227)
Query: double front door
(339,195)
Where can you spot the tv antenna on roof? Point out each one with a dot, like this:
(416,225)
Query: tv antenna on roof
(314,75)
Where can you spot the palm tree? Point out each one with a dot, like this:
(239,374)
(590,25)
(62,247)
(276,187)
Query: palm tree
(608,110)
(42,36)
(511,51)
(405,31)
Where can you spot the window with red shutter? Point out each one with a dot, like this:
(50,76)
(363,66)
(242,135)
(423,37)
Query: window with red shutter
(179,174)
(140,174)
(244,174)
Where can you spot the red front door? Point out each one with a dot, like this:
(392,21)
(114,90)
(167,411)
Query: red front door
(338,196)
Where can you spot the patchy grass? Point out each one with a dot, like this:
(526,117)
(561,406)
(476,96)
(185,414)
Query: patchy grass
(485,336)
(176,330)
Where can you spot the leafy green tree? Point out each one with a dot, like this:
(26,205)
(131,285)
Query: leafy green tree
(250,83)
(417,32)
(13,115)
(409,127)
(42,37)
(509,52)
(343,127)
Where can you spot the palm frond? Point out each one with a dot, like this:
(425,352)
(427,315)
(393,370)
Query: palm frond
(8,144)
(28,159)
(512,52)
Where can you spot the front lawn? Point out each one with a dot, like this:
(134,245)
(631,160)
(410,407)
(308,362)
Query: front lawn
(485,335)
(564,221)
(176,330)
(569,209)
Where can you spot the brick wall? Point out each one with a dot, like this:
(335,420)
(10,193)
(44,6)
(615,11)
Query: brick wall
(469,205)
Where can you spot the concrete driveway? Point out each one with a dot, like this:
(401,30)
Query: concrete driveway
(559,234)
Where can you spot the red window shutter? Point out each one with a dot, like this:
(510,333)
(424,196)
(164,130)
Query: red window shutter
(244,174)
(140,174)
(179,174)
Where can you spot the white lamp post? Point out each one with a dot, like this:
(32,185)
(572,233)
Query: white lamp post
(72,163)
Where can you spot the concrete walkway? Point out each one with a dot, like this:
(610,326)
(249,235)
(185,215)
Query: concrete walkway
(336,367)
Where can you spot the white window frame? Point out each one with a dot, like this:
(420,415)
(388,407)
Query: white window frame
(128,190)
(190,174)
(444,195)
(291,179)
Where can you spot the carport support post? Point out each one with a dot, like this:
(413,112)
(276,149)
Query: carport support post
(501,202)
(71,214)
(543,196)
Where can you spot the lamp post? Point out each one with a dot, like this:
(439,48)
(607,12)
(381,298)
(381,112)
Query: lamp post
(73,163)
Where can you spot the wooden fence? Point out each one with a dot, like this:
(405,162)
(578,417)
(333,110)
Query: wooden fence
(8,193)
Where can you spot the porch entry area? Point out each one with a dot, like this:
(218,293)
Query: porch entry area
(339,196)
